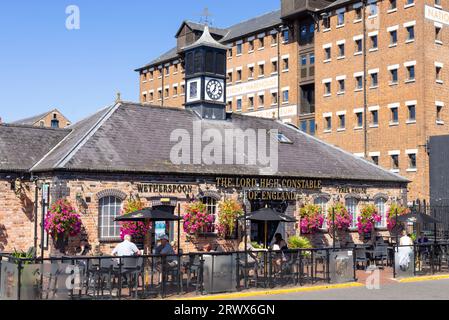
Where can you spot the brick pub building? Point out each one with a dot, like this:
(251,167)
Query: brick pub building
(126,150)
(367,76)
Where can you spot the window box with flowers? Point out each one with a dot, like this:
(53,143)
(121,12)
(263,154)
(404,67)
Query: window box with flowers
(367,219)
(137,230)
(196,219)
(230,211)
(391,214)
(311,219)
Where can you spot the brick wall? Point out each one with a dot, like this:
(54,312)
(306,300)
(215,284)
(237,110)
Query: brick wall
(16,214)
(16,217)
(386,137)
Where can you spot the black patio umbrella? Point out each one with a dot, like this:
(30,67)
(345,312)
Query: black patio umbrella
(420,218)
(148,214)
(269,215)
(153,215)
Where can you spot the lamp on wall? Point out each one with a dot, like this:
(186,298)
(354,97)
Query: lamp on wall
(82,204)
(18,187)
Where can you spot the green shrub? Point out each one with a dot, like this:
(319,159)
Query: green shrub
(296,242)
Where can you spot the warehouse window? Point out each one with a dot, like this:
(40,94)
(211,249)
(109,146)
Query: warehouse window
(251,46)
(412,161)
(395,162)
(109,209)
(340,18)
(411,112)
(393,5)
(341,50)
(410,33)
(393,37)
(374,118)
(438,37)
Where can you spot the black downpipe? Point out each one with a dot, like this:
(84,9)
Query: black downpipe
(365,99)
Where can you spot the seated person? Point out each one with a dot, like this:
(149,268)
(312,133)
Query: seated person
(423,238)
(126,248)
(165,249)
(84,248)
(208,248)
(252,256)
(279,245)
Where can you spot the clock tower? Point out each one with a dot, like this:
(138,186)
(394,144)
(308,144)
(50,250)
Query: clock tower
(205,77)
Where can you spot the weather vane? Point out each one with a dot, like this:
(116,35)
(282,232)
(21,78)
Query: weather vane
(205,17)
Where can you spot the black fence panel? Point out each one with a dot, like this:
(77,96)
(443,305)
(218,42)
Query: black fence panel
(146,277)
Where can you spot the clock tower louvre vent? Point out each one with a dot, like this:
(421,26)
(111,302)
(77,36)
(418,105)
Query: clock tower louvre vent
(205,77)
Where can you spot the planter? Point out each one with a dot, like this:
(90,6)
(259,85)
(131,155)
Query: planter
(61,243)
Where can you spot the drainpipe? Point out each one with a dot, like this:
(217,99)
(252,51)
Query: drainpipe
(279,72)
(36,205)
(365,98)
(163,88)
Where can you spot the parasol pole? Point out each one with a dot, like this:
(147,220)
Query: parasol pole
(245,237)
(179,228)
(397,229)
(333,228)
(266,234)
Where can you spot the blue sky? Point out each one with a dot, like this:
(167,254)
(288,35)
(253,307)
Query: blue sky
(44,66)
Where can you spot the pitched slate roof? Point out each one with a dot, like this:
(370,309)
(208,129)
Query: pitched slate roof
(167,56)
(32,120)
(253,25)
(130,137)
(22,146)
(238,30)
(338,3)
(200,27)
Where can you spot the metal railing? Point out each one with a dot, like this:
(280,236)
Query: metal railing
(421,259)
(152,276)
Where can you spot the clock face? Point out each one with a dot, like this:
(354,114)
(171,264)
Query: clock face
(214,89)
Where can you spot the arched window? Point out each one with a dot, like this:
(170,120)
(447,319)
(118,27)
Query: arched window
(109,209)
(351,206)
(322,202)
(382,210)
(211,206)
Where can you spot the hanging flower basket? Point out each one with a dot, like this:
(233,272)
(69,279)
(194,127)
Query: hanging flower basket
(343,219)
(62,221)
(230,211)
(368,219)
(137,230)
(391,214)
(196,218)
(311,219)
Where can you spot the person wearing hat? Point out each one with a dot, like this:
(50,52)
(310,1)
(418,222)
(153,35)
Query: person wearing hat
(165,249)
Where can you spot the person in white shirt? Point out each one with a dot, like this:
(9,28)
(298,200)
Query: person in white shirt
(405,251)
(126,248)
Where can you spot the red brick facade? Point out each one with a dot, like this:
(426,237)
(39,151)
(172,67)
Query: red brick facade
(17,223)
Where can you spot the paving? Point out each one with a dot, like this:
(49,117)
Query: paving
(420,290)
